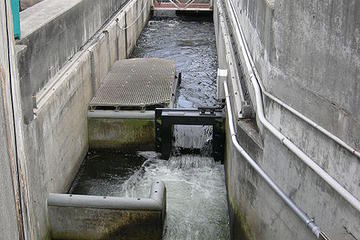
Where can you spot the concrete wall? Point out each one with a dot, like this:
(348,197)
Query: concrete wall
(124,130)
(53,31)
(56,134)
(307,54)
(24,4)
(10,227)
(97,217)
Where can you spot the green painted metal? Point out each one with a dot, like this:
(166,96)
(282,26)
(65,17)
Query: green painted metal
(16,18)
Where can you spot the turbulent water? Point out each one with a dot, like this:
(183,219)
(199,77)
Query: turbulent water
(196,193)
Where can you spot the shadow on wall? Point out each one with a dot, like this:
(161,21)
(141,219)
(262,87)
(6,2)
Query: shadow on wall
(24,4)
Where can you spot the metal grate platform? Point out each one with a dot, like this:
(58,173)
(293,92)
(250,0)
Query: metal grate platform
(143,83)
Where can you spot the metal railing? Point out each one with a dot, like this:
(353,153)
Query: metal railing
(189,5)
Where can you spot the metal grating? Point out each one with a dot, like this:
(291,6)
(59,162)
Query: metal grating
(137,83)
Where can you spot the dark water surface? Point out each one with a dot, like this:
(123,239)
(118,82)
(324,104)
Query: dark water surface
(196,193)
(191,43)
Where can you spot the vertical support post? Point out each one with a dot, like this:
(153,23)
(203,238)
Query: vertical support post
(166,139)
(221,77)
(157,129)
(219,140)
(16,18)
(163,133)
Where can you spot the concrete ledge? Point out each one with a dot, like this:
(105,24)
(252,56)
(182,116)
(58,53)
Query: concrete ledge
(53,32)
(98,217)
(122,114)
(40,67)
(130,130)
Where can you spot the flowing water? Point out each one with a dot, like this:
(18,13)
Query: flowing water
(195,183)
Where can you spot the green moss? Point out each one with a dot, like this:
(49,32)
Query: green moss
(48,234)
(239,224)
(240,227)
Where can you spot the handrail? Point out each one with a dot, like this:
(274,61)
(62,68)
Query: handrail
(308,221)
(278,101)
(285,141)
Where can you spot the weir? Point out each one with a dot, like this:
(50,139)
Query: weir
(165,118)
(150,119)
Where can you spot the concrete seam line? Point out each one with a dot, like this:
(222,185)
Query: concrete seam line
(308,221)
(284,105)
(137,18)
(291,146)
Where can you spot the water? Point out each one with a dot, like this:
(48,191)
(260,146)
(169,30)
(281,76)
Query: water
(196,192)
(192,44)
(103,172)
(196,195)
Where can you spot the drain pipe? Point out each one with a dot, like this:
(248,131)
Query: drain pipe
(308,221)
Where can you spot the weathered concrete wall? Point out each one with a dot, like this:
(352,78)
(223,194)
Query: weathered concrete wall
(56,133)
(9,225)
(96,217)
(24,4)
(307,54)
(53,31)
(122,133)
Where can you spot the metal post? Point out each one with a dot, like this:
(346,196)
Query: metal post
(16,18)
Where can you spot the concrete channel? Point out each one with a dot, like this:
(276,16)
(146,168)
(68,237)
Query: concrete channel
(291,128)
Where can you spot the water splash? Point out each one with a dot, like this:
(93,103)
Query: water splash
(196,195)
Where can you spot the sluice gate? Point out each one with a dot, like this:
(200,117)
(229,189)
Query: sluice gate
(166,118)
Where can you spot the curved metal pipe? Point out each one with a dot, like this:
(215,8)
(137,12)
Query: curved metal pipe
(285,141)
(308,221)
(298,152)
(277,100)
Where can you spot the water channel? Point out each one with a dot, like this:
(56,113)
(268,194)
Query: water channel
(196,193)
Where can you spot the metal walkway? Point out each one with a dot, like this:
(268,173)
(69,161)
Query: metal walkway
(177,5)
(140,83)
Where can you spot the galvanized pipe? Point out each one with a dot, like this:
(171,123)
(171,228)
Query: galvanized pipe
(154,202)
(285,141)
(308,221)
(252,67)
(298,152)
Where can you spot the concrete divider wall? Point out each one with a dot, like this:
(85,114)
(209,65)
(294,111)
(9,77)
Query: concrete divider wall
(53,31)
(96,217)
(310,61)
(119,131)
(56,139)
